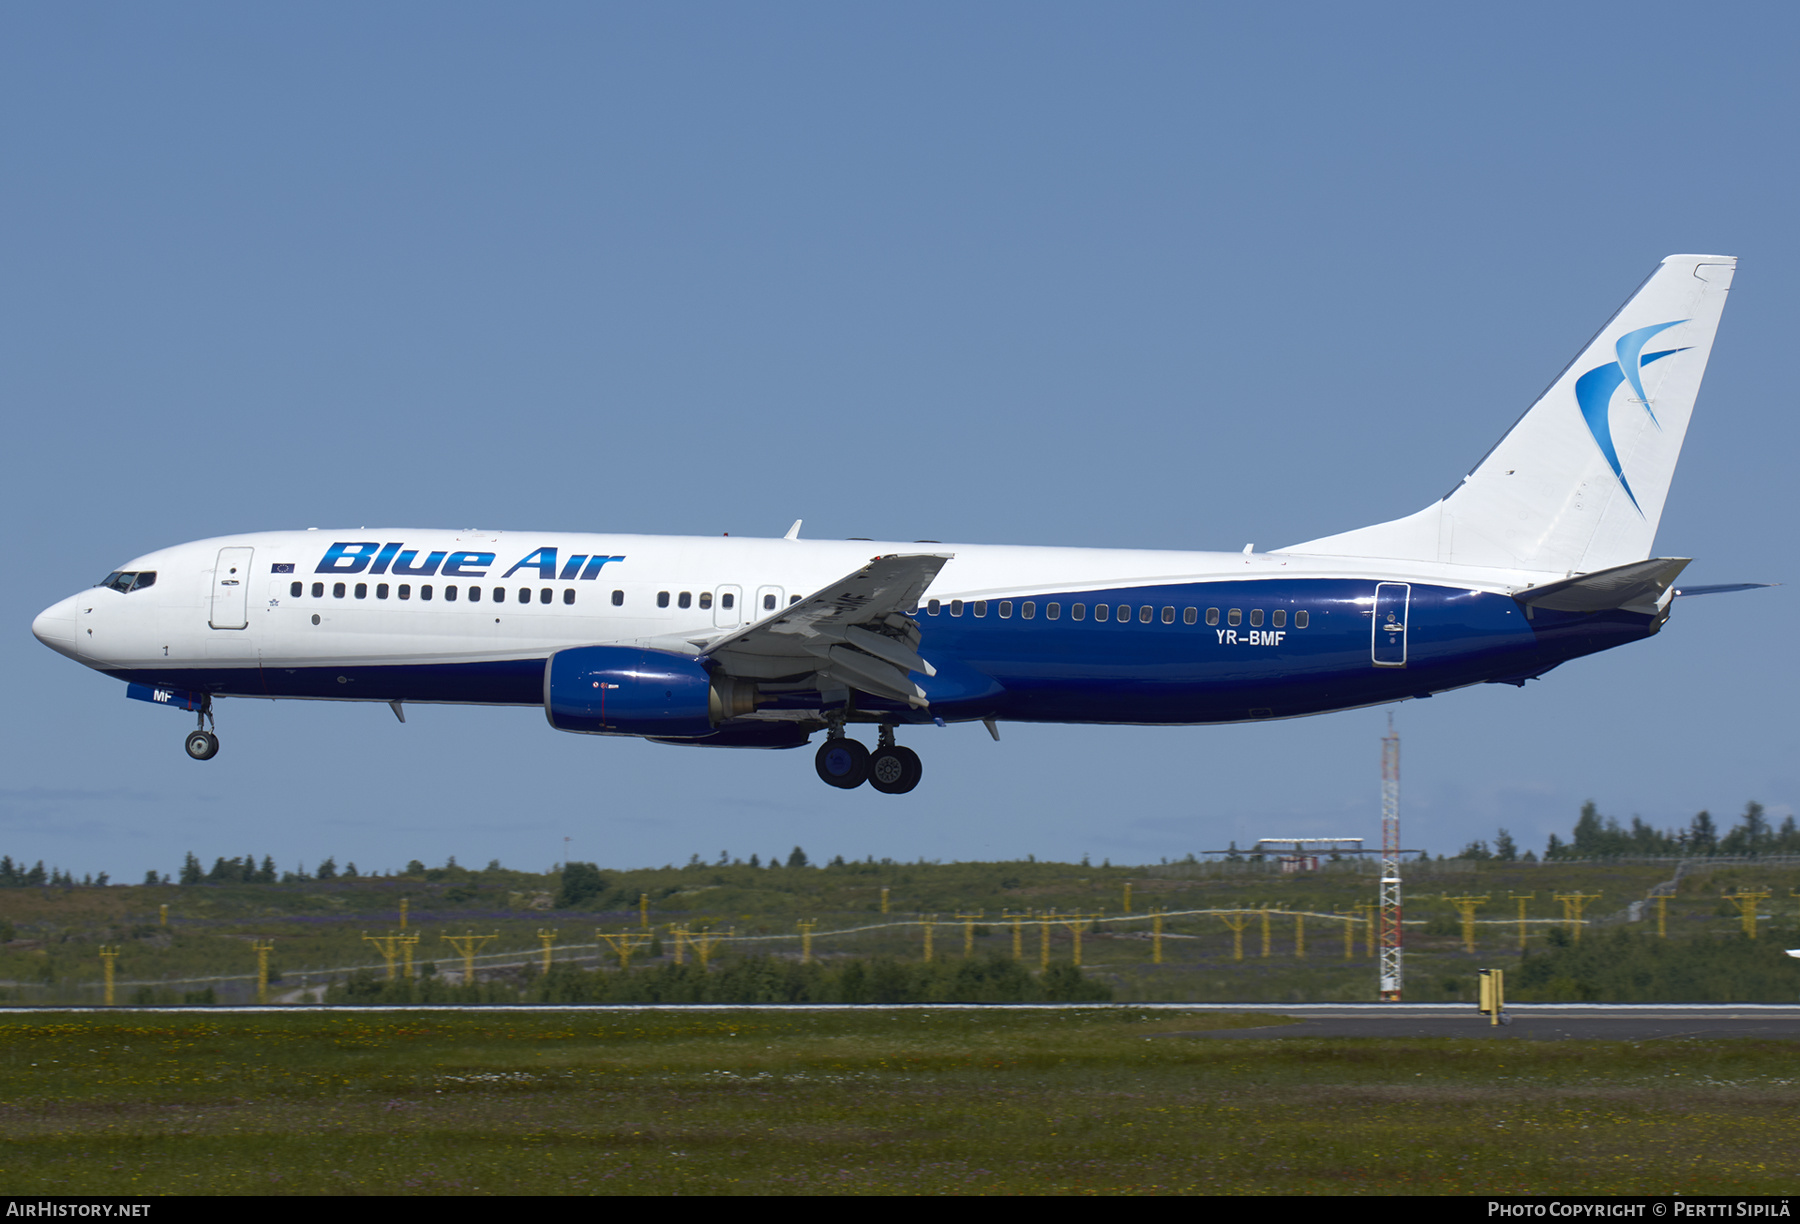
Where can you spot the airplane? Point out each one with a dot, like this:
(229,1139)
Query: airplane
(1539,555)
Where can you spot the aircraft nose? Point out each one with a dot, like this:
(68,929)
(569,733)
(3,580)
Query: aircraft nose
(55,626)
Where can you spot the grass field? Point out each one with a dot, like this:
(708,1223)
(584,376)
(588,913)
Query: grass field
(867,1102)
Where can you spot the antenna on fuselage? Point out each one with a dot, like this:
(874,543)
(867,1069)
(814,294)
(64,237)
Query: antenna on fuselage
(793,533)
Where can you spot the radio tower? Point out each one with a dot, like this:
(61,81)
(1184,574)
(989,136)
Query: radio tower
(1390,865)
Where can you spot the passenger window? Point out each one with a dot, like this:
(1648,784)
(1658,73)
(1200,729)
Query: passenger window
(932,607)
(337,590)
(318,590)
(685,599)
(1005,609)
(768,603)
(381,590)
(1124,612)
(524,595)
(294,590)
(362,590)
(568,595)
(1234,617)
(405,590)
(1190,616)
(474,593)
(1212,616)
(425,591)
(1300,619)
(545,595)
(662,599)
(618,599)
(981,607)
(1027,610)
(1256,617)
(792,600)
(1102,611)
(705,599)
(450,594)
(1278,617)
(1076,611)
(727,599)
(1052,611)
(1145,612)
(956,607)
(1168,616)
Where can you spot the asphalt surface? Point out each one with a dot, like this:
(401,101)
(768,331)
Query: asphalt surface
(1530,1024)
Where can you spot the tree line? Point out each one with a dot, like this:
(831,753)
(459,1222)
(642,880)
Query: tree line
(1597,836)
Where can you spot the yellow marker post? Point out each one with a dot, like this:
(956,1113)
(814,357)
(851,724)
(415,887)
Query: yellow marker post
(1044,940)
(1466,906)
(262,948)
(1522,898)
(547,938)
(644,910)
(1493,995)
(622,944)
(1018,930)
(704,942)
(1237,920)
(389,947)
(406,948)
(107,957)
(1265,929)
(1367,909)
(163,912)
(467,944)
(404,903)
(1350,922)
(1077,923)
(1299,936)
(1573,904)
(806,930)
(884,900)
(968,921)
(679,934)
(928,919)
(1662,915)
(1127,896)
(1156,923)
(1746,903)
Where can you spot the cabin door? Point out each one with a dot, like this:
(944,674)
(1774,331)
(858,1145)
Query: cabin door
(231,589)
(1388,634)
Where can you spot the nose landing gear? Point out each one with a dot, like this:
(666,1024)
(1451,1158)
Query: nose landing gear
(201,744)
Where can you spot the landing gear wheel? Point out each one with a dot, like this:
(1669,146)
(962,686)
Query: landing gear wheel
(202,745)
(894,770)
(843,762)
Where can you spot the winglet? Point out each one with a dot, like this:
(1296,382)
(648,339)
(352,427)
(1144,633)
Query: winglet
(793,533)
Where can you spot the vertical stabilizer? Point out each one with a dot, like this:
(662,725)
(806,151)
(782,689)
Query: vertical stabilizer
(1578,484)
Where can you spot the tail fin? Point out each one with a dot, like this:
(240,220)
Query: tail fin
(1578,484)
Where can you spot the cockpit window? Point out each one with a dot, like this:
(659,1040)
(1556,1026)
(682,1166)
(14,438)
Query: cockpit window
(124,582)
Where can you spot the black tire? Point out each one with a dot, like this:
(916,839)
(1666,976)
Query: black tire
(894,771)
(202,745)
(843,763)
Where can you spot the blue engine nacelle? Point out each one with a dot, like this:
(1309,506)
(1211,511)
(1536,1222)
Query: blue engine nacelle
(622,690)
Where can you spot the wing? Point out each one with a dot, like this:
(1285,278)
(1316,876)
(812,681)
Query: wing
(856,633)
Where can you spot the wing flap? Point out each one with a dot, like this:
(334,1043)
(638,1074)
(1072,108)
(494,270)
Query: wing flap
(855,633)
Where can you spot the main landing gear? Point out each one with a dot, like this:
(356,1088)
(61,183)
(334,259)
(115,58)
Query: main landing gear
(844,763)
(202,744)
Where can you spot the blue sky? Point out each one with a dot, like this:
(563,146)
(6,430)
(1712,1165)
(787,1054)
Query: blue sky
(1154,276)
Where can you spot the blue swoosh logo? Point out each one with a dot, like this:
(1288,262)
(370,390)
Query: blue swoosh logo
(1594,392)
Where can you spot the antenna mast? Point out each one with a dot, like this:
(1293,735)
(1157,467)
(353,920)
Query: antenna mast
(1390,865)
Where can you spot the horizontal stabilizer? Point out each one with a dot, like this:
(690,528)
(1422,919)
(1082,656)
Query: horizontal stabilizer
(1637,587)
(1721,588)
